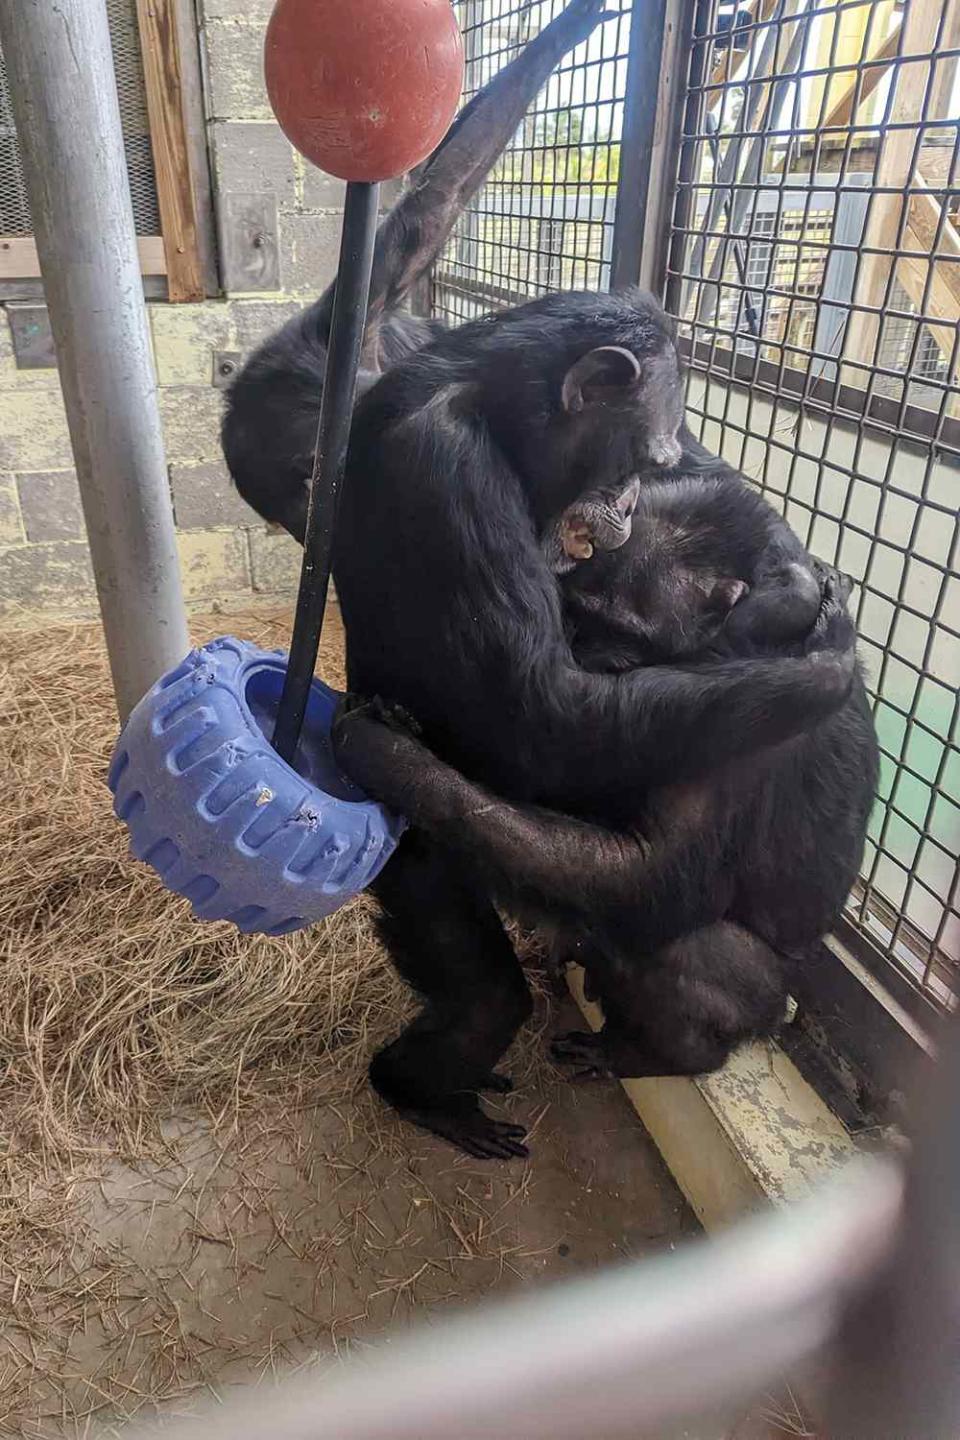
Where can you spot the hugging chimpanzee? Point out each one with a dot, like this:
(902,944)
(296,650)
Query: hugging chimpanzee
(688,919)
(460,458)
(676,780)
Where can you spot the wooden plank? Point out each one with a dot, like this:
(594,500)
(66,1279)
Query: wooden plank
(18,257)
(895,165)
(171,149)
(194,118)
(943,299)
(726,67)
(841,112)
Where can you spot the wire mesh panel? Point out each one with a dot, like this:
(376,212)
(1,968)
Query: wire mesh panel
(815,274)
(545,219)
(128,66)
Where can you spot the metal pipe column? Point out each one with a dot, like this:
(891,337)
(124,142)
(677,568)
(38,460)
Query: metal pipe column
(62,87)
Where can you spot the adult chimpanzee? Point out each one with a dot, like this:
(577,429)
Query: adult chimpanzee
(459,457)
(688,920)
(270,425)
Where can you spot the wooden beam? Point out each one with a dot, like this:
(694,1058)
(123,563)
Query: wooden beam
(895,165)
(726,66)
(841,112)
(18,257)
(941,255)
(160,43)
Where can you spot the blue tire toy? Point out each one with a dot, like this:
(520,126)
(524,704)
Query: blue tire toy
(222,819)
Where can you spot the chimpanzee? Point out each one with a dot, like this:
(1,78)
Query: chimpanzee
(269,428)
(460,455)
(689,919)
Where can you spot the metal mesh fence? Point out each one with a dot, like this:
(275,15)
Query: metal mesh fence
(544,221)
(815,273)
(814,269)
(128,65)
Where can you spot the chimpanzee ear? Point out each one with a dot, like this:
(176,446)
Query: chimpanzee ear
(599,377)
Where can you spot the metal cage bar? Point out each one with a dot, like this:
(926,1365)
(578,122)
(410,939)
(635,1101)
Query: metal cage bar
(811,244)
(819,191)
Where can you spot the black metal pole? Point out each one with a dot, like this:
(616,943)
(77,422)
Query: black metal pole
(333,435)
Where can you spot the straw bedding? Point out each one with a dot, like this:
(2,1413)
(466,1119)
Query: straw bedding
(118,1012)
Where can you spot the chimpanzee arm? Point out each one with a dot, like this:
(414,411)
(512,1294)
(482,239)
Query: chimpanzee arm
(452,611)
(537,857)
(414,232)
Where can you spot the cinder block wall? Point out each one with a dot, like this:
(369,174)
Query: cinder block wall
(225,552)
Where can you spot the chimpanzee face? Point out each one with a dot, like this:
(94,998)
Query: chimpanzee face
(631,593)
(643,394)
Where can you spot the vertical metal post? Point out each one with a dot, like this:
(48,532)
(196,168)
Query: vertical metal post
(641,108)
(63,92)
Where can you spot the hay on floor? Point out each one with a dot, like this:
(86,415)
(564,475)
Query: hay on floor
(112,996)
(211,1062)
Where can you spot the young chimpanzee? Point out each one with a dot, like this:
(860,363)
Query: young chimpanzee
(689,919)
(459,457)
(269,428)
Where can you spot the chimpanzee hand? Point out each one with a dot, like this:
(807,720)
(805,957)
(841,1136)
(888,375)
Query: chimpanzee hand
(376,745)
(582,1052)
(781,606)
(834,637)
(581,18)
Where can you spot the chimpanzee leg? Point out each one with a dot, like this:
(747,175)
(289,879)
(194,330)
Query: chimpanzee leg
(683,1010)
(447,942)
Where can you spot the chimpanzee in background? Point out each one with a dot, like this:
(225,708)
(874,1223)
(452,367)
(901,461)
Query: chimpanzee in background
(460,456)
(269,431)
(690,919)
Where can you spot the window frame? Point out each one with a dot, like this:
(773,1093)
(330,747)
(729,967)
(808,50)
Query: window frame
(179,264)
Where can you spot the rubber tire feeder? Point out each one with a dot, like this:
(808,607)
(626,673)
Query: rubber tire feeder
(222,818)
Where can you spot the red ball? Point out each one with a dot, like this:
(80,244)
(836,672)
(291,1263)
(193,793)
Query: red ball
(366,89)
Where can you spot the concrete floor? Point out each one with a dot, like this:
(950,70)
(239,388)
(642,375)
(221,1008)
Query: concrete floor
(284,1228)
(259,1244)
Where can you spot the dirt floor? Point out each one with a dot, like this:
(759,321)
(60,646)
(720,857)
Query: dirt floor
(197,1186)
(175,1216)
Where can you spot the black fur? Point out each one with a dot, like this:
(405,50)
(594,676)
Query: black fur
(689,920)
(459,457)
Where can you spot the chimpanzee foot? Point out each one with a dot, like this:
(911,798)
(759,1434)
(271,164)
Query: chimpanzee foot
(584,1053)
(465,1126)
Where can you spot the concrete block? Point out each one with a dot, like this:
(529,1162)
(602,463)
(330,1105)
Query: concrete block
(254,157)
(255,11)
(191,422)
(320,190)
(254,320)
(33,430)
(325,192)
(204,496)
(11,520)
(50,502)
(309,251)
(276,561)
(235,69)
(213,563)
(185,338)
(45,577)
